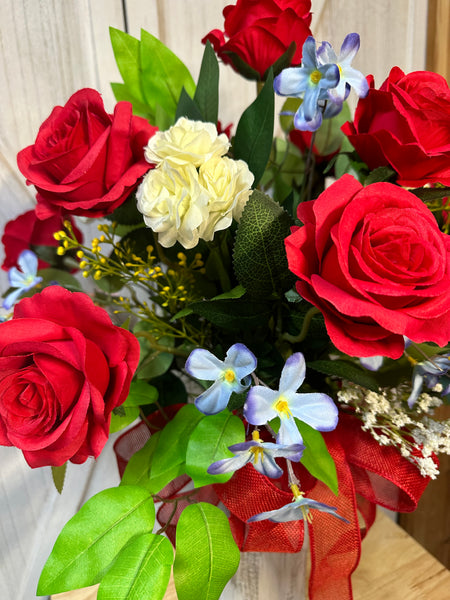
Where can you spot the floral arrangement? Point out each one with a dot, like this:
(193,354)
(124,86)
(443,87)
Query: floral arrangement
(273,343)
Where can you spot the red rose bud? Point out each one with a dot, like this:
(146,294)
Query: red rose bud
(405,124)
(27,231)
(374,261)
(63,368)
(259,32)
(85,161)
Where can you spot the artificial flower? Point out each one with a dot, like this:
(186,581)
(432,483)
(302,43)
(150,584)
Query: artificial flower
(260,454)
(374,261)
(85,161)
(316,409)
(349,77)
(22,279)
(186,143)
(310,82)
(230,375)
(430,373)
(259,32)
(405,124)
(296,510)
(64,368)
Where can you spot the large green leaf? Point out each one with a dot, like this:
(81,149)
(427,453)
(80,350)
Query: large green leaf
(139,466)
(141,393)
(254,133)
(163,74)
(259,257)
(207,93)
(142,570)
(316,457)
(188,108)
(172,444)
(209,442)
(91,540)
(206,555)
(126,50)
(122,416)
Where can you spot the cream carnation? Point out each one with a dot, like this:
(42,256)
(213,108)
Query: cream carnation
(186,142)
(174,204)
(228,183)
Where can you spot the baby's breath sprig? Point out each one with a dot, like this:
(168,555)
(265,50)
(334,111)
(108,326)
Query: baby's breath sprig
(391,422)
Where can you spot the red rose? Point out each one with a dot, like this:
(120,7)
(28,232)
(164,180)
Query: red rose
(27,231)
(405,124)
(85,161)
(374,261)
(63,368)
(260,31)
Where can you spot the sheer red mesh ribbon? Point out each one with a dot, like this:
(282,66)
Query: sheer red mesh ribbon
(368,474)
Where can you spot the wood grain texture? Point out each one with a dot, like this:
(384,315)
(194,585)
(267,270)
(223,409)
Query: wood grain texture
(393,566)
(438,39)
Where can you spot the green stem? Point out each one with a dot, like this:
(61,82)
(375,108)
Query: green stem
(159,347)
(305,327)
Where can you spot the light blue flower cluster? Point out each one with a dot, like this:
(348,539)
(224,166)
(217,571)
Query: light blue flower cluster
(322,82)
(24,279)
(262,405)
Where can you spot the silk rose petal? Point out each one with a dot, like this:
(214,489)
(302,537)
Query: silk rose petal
(374,261)
(85,161)
(63,368)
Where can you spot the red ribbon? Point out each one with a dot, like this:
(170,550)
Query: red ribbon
(368,474)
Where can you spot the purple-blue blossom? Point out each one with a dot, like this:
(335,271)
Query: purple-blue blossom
(260,454)
(316,409)
(310,82)
(430,373)
(296,510)
(230,375)
(24,279)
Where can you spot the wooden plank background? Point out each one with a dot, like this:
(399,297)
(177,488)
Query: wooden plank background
(48,50)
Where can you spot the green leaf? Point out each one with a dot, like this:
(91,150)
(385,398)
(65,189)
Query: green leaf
(345,370)
(259,257)
(188,108)
(233,314)
(429,194)
(236,292)
(380,174)
(141,393)
(122,416)
(254,133)
(206,555)
(207,93)
(126,52)
(62,277)
(316,458)
(58,475)
(163,74)
(137,471)
(123,94)
(127,213)
(209,442)
(91,540)
(152,363)
(329,136)
(142,570)
(172,444)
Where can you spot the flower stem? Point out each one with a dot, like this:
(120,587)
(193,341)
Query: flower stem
(305,327)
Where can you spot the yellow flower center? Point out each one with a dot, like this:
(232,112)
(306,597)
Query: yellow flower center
(257,452)
(229,376)
(282,407)
(315,76)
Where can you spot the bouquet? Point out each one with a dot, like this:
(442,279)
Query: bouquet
(266,317)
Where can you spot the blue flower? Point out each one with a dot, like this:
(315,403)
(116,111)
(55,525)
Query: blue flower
(310,82)
(429,373)
(22,280)
(349,77)
(316,409)
(298,509)
(227,375)
(260,454)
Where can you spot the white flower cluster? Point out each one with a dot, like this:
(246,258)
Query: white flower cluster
(194,190)
(389,420)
